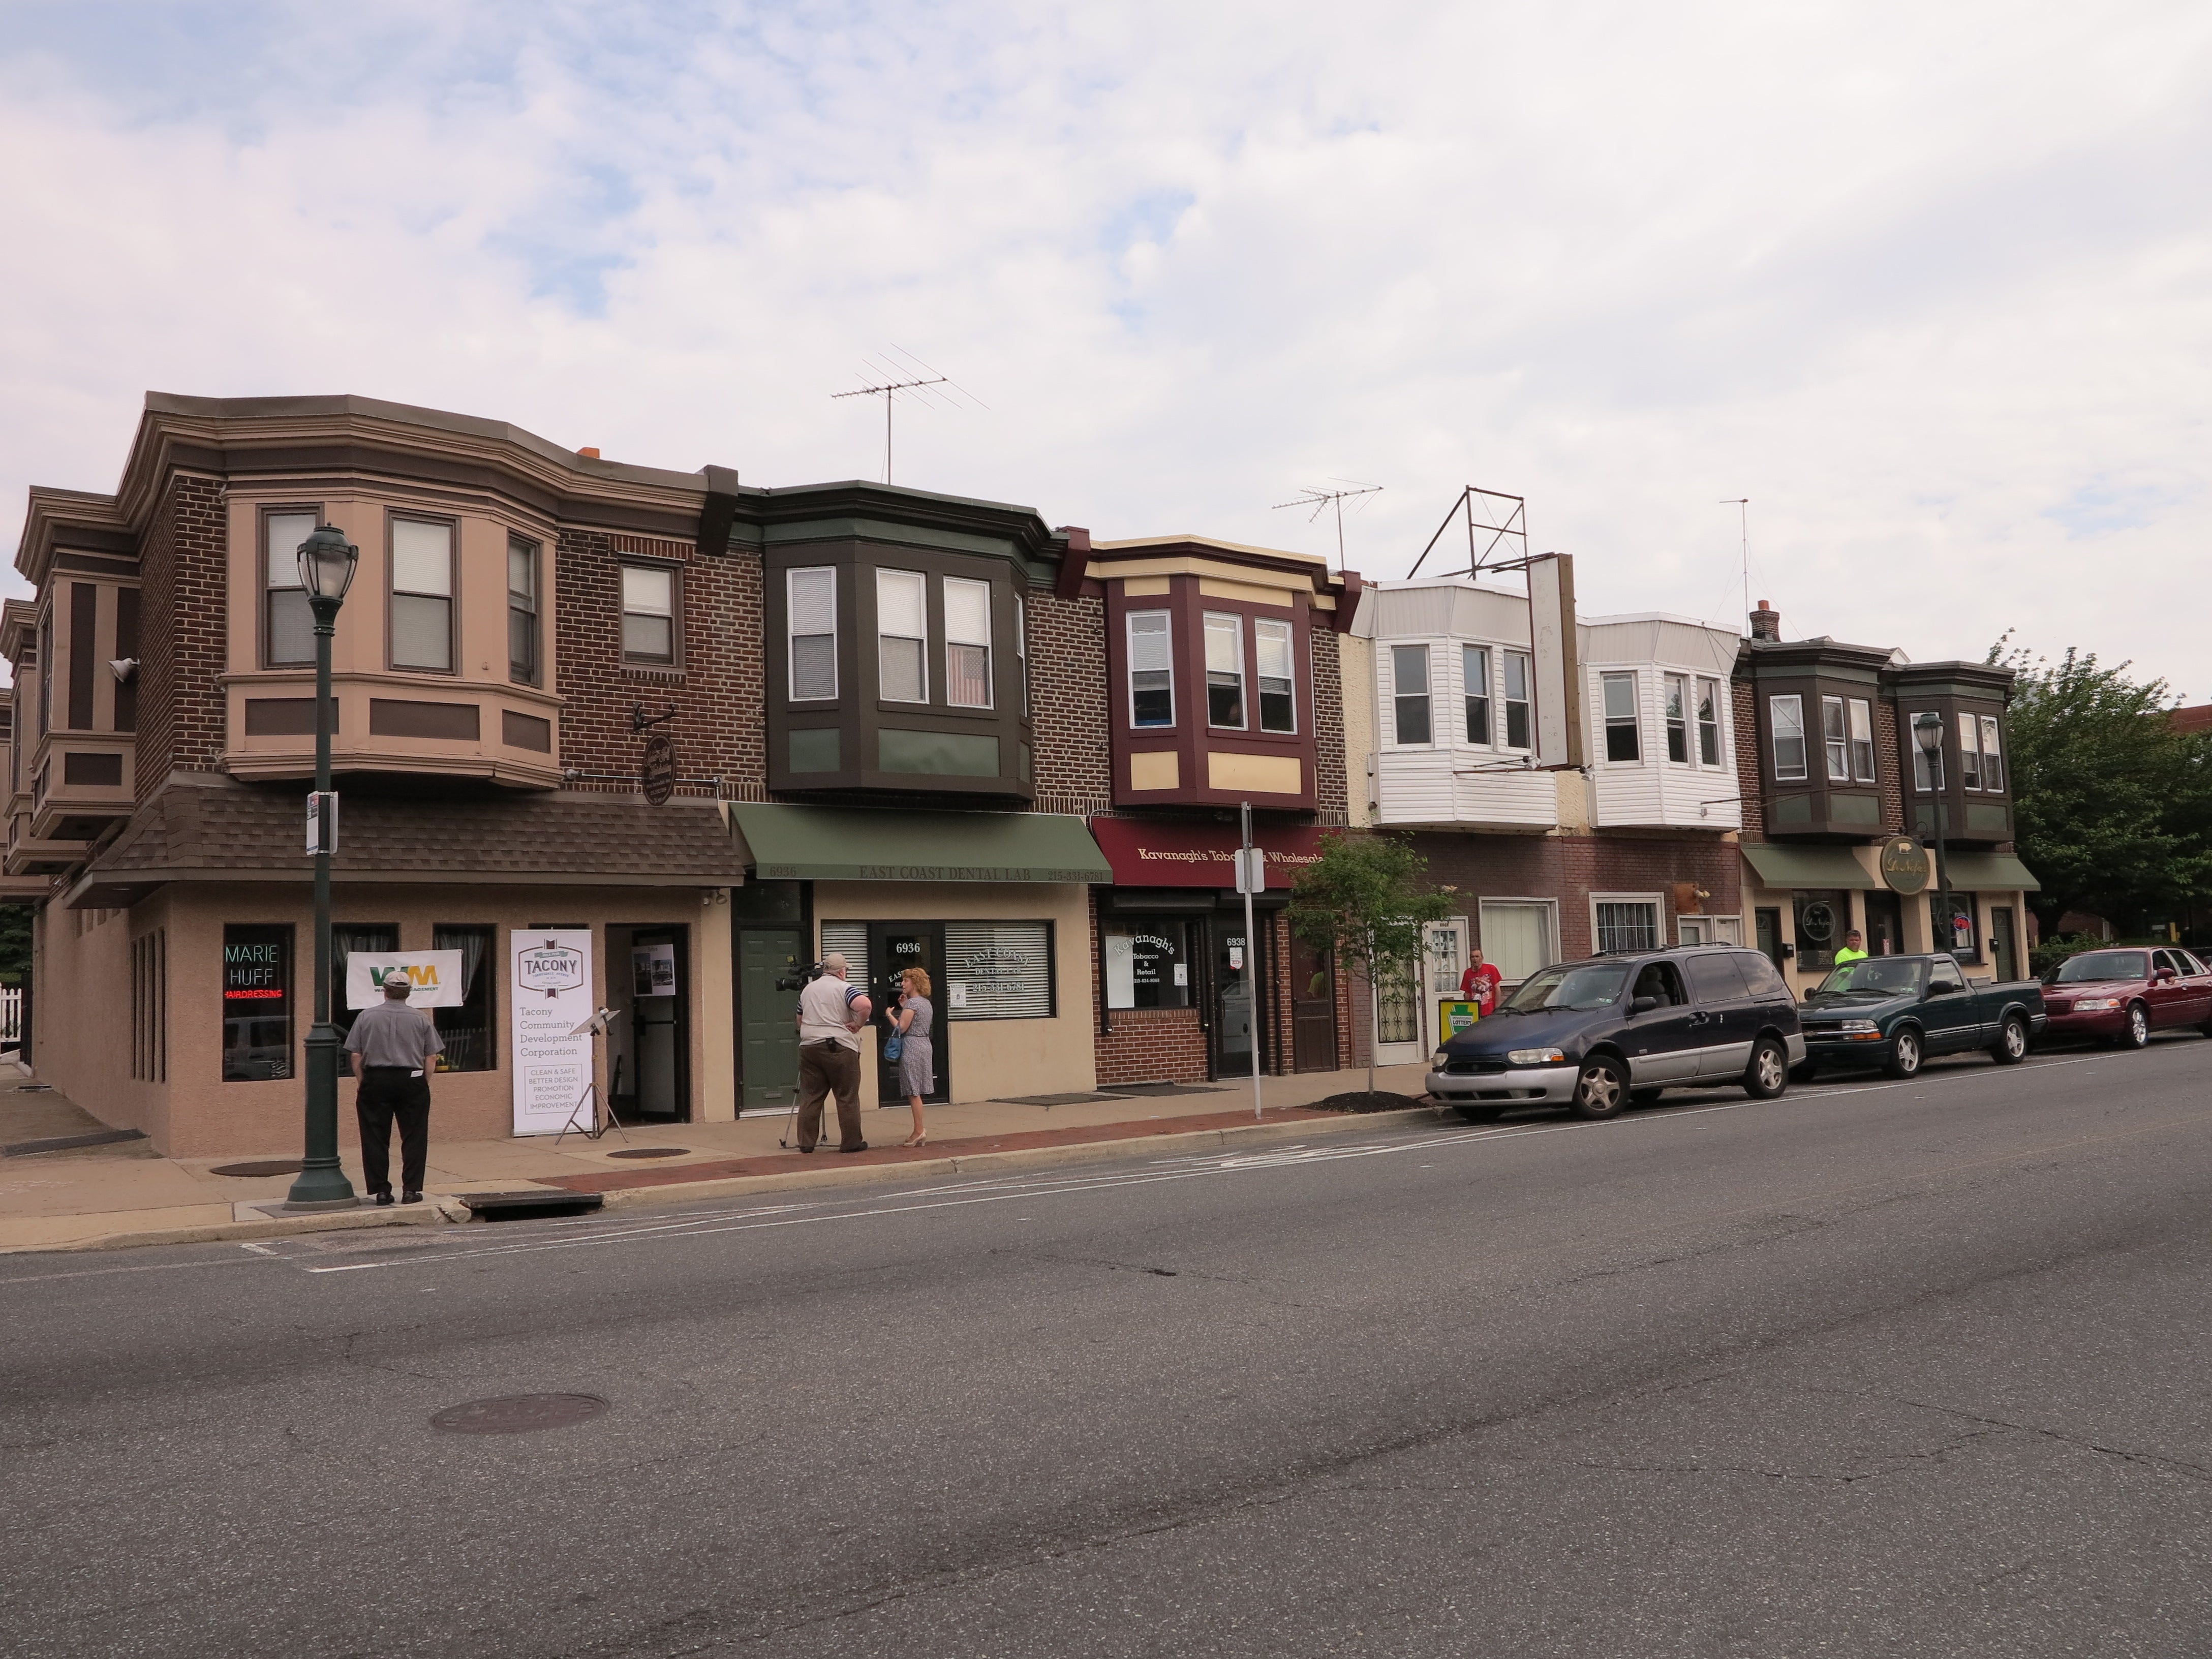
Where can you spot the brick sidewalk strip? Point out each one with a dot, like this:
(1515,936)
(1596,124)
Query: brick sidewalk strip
(786,1163)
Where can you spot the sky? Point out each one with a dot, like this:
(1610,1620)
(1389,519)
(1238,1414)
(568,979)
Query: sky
(1930,285)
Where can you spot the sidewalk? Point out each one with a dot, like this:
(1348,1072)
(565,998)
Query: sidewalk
(124,1193)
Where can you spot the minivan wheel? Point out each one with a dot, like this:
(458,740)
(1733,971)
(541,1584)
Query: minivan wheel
(1904,1056)
(1600,1090)
(2012,1041)
(1768,1074)
(2137,1032)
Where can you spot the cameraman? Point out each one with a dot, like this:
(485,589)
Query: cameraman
(830,1016)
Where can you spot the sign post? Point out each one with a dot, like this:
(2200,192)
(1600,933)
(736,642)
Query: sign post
(1251,877)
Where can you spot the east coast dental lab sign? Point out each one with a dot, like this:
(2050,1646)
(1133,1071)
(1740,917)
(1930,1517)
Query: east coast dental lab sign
(551,973)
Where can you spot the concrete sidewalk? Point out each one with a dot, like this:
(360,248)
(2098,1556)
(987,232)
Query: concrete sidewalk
(125,1193)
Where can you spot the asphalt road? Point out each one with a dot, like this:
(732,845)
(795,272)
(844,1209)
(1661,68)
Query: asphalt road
(1875,1369)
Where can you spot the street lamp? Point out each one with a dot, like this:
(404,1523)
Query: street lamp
(327,560)
(1928,733)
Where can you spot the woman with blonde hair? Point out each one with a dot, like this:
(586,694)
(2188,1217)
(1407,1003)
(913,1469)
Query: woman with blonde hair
(917,1061)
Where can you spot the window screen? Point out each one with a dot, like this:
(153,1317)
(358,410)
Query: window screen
(522,612)
(1835,739)
(1678,719)
(1969,752)
(903,635)
(1861,740)
(811,614)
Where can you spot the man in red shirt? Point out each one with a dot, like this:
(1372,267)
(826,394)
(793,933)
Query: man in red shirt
(1478,984)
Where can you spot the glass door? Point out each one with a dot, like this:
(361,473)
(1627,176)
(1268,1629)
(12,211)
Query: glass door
(894,947)
(660,996)
(1239,1024)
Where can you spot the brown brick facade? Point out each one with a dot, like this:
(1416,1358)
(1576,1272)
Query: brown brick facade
(1328,725)
(1068,702)
(1746,705)
(1570,868)
(181,702)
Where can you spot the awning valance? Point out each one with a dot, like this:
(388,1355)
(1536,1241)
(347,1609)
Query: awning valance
(1990,872)
(858,843)
(1806,866)
(1173,853)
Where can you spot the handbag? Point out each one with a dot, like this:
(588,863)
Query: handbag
(894,1045)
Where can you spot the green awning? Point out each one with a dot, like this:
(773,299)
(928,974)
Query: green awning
(1806,866)
(857,843)
(1990,872)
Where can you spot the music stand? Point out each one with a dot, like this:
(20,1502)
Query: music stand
(594,1128)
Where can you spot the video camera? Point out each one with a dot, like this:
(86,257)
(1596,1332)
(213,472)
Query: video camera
(801,980)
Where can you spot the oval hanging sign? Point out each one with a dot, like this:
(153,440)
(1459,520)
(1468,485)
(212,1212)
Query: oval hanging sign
(657,776)
(1905,865)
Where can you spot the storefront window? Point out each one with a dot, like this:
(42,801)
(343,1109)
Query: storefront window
(371,939)
(257,1002)
(997,969)
(470,1037)
(1147,962)
(1964,935)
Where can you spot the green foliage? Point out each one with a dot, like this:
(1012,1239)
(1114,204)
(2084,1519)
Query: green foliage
(14,943)
(1369,901)
(2112,805)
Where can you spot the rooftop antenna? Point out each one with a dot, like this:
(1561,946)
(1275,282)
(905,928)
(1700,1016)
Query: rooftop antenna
(1743,505)
(1503,519)
(1319,499)
(911,377)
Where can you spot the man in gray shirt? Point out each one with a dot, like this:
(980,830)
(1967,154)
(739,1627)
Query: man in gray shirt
(392,1046)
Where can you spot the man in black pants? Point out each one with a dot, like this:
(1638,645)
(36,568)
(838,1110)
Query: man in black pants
(392,1046)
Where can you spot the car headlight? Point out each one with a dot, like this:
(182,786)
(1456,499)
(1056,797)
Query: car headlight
(1439,1058)
(1534,1057)
(1857,1025)
(2096,1005)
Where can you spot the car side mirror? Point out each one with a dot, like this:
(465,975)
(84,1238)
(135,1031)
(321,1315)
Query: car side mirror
(1643,1004)
(2163,974)
(1941,990)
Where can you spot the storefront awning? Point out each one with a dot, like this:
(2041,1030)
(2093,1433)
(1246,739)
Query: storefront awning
(1806,866)
(1990,872)
(858,843)
(1166,853)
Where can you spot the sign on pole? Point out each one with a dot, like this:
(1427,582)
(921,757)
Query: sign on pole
(550,999)
(322,820)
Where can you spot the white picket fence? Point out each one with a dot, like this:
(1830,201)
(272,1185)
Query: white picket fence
(11,1013)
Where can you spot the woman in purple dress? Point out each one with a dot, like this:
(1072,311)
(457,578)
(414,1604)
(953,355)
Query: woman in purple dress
(917,1061)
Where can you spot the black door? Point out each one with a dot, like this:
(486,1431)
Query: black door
(1239,1025)
(1885,925)
(661,996)
(1769,923)
(894,947)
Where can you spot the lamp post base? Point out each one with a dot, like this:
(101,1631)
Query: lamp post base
(307,1206)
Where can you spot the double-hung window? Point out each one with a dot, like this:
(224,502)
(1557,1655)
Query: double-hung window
(1409,690)
(1475,684)
(1224,669)
(1678,719)
(521,611)
(903,635)
(811,614)
(1151,669)
(649,619)
(1969,752)
(1517,677)
(1278,703)
(422,595)
(289,624)
(1993,778)
(1786,718)
(1022,646)
(1927,769)
(1835,737)
(1861,740)
(1620,744)
(967,643)
(1709,722)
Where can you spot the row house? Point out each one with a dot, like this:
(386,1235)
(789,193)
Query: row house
(878,720)
(1843,805)
(1571,780)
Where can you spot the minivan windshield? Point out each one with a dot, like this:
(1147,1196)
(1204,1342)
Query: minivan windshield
(1877,976)
(2103,964)
(1570,985)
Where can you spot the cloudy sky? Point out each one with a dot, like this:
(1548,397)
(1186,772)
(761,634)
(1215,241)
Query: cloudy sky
(1930,284)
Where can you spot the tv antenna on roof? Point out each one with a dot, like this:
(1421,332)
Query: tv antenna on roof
(892,378)
(1319,499)
(1503,519)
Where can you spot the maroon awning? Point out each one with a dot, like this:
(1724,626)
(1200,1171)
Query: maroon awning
(1169,854)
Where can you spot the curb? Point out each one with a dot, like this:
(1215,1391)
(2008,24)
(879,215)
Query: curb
(442,1209)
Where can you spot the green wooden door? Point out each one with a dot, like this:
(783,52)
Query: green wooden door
(769,1039)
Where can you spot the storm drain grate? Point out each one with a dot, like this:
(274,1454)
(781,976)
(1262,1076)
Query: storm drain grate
(652,1151)
(519,1414)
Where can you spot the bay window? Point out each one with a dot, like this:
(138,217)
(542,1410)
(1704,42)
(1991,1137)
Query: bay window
(1786,719)
(810,616)
(1475,684)
(967,643)
(1278,701)
(287,625)
(1225,670)
(1409,688)
(422,595)
(1151,669)
(648,615)
(902,636)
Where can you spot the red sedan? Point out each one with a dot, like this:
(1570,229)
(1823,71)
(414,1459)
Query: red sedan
(2122,996)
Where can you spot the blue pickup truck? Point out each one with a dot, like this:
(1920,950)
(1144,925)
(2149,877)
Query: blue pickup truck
(1895,1011)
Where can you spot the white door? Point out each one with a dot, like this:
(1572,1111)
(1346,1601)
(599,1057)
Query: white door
(1406,1013)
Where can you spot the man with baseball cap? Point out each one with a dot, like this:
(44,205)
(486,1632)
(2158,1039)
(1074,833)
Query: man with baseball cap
(392,1046)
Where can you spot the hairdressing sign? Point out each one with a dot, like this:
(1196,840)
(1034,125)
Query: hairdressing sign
(551,977)
(434,976)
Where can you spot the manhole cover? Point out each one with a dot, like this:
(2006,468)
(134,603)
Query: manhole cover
(269,1166)
(652,1151)
(518,1413)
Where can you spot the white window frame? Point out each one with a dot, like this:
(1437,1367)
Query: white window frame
(1969,752)
(1993,759)
(990,674)
(1526,702)
(1608,719)
(1022,646)
(1836,744)
(1670,683)
(531,553)
(1550,907)
(790,637)
(1427,694)
(1927,769)
(1468,692)
(1207,630)
(1656,901)
(271,571)
(1733,925)
(1860,712)
(1717,725)
(451,599)
(1259,682)
(1797,700)
(1131,670)
(921,584)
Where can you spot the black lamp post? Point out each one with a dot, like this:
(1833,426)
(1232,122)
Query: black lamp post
(326,568)
(1928,733)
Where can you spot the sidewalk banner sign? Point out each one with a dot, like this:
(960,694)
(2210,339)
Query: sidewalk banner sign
(551,978)
(435,975)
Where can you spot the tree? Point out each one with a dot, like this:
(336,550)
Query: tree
(2111,805)
(1367,901)
(14,943)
